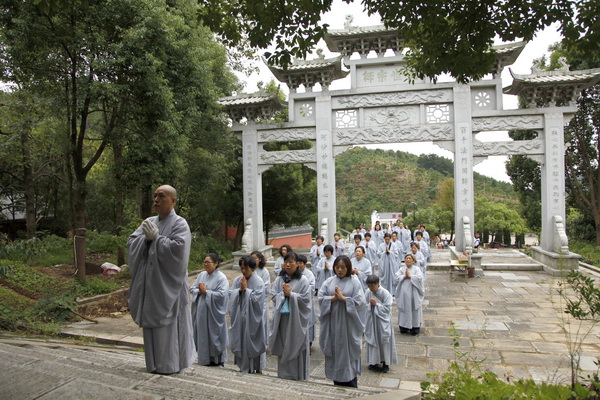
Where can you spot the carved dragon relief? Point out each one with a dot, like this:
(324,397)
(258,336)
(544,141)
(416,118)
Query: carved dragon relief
(508,123)
(287,157)
(392,116)
(516,147)
(284,135)
(392,134)
(386,99)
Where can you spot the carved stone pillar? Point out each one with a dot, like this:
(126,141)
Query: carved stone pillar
(463,164)
(553,177)
(252,190)
(325,167)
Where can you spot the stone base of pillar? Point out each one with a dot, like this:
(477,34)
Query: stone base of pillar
(554,263)
(266,250)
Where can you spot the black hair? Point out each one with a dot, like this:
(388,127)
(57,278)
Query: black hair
(320,237)
(419,233)
(358,237)
(261,258)
(387,234)
(336,234)
(416,244)
(328,248)
(372,280)
(368,234)
(347,264)
(288,247)
(302,258)
(215,258)
(249,261)
(295,275)
(360,247)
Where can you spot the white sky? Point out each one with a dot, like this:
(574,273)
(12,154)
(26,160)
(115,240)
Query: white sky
(493,166)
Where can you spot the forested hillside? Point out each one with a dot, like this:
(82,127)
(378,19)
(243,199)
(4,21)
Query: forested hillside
(390,181)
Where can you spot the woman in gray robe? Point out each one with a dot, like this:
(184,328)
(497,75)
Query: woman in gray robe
(264,274)
(291,315)
(342,316)
(324,269)
(388,263)
(209,309)
(311,281)
(283,250)
(409,296)
(361,266)
(246,334)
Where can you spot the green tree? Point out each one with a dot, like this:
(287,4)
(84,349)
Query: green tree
(116,70)
(497,217)
(445,201)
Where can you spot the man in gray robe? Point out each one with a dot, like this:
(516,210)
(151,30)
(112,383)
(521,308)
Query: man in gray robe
(158,297)
(379,329)
(409,296)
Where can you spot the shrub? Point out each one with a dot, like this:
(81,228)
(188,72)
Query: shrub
(27,280)
(102,242)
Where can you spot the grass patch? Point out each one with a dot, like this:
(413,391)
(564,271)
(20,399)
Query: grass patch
(589,252)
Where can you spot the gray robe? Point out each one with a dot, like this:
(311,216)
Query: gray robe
(321,274)
(313,320)
(266,277)
(371,251)
(158,296)
(389,263)
(289,332)
(379,329)
(339,250)
(409,297)
(342,327)
(209,312)
(405,239)
(246,332)
(364,268)
(316,252)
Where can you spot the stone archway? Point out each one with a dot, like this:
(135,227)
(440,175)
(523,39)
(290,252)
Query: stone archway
(382,106)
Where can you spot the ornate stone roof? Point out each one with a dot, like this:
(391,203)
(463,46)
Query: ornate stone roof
(363,40)
(252,106)
(507,54)
(552,88)
(310,72)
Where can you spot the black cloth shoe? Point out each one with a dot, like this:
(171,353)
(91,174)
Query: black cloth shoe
(385,368)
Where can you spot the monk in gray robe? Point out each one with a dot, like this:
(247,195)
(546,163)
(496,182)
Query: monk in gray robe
(291,315)
(361,266)
(246,333)
(342,316)
(389,263)
(409,296)
(379,329)
(209,311)
(159,252)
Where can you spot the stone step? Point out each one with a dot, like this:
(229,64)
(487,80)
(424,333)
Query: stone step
(56,371)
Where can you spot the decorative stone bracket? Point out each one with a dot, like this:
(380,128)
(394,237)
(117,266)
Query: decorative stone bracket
(561,242)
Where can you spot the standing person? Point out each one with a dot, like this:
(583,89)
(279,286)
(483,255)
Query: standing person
(377,234)
(409,296)
(246,334)
(283,250)
(358,231)
(210,293)
(338,246)
(361,266)
(353,246)
(324,269)
(421,263)
(423,246)
(342,316)
(291,315)
(404,238)
(312,282)
(264,274)
(388,262)
(379,329)
(316,252)
(370,249)
(159,251)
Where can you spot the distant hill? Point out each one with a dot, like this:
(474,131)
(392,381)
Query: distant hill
(389,181)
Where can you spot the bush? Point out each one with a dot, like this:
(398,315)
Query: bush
(102,242)
(589,252)
(202,245)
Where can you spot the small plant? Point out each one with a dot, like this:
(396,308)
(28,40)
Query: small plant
(95,286)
